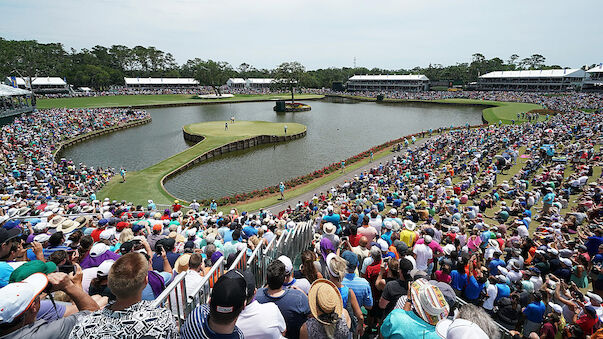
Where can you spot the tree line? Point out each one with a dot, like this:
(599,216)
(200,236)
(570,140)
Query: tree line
(100,67)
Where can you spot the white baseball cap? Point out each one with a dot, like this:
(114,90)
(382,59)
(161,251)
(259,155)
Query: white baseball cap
(287,262)
(98,249)
(41,237)
(104,267)
(16,298)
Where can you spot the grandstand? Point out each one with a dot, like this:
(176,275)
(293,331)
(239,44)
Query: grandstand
(386,82)
(148,83)
(550,80)
(594,79)
(14,101)
(258,83)
(236,83)
(40,85)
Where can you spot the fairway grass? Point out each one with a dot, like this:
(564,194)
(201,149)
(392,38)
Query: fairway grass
(146,184)
(494,111)
(157,100)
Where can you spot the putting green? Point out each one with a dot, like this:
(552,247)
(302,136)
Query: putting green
(146,184)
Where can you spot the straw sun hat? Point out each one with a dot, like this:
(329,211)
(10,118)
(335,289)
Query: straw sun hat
(324,299)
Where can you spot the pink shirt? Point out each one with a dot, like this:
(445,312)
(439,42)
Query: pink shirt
(369,232)
(435,247)
(443,277)
(474,242)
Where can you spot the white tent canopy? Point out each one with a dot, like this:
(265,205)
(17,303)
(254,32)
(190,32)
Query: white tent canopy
(161,81)
(40,81)
(597,69)
(388,77)
(8,91)
(544,73)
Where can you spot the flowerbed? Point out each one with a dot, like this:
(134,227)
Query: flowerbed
(304,179)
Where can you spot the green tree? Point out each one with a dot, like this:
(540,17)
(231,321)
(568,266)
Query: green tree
(289,75)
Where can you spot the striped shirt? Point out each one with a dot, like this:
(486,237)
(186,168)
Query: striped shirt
(361,289)
(197,326)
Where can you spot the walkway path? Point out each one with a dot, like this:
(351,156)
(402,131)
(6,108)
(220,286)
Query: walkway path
(276,208)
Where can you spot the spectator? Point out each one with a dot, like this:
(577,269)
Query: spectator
(329,318)
(292,303)
(259,321)
(218,319)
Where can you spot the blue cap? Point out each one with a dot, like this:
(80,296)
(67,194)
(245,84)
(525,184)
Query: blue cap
(11,224)
(351,258)
(103,222)
(137,227)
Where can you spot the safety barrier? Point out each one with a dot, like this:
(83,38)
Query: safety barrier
(175,296)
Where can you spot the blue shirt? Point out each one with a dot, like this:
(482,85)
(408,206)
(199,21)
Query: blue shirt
(494,263)
(473,288)
(503,291)
(458,281)
(293,305)
(332,218)
(361,288)
(535,311)
(197,326)
(548,198)
(406,324)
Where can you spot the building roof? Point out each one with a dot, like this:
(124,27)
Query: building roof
(260,80)
(236,80)
(596,69)
(544,73)
(37,81)
(8,91)
(161,81)
(386,77)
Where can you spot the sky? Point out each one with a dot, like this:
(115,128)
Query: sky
(385,34)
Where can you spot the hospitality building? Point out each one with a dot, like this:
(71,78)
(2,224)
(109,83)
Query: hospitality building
(236,83)
(594,79)
(40,85)
(14,101)
(549,80)
(153,83)
(386,82)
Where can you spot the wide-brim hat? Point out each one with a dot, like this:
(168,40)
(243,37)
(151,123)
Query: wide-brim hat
(84,220)
(68,226)
(190,212)
(56,221)
(409,225)
(324,297)
(428,301)
(87,209)
(329,228)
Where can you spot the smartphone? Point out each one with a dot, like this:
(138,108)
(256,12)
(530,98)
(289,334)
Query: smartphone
(159,249)
(66,269)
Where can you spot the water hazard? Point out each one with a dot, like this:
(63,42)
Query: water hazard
(337,129)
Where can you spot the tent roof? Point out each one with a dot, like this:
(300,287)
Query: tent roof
(237,80)
(41,81)
(8,91)
(161,81)
(596,69)
(392,77)
(544,73)
(260,80)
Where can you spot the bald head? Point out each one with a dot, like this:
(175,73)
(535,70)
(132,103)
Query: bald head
(363,241)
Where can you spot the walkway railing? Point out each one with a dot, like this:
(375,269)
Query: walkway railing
(176,298)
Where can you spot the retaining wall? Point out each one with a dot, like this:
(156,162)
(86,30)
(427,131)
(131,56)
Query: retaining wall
(227,148)
(97,133)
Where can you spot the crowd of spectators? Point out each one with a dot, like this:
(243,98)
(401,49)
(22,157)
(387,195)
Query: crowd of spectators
(438,242)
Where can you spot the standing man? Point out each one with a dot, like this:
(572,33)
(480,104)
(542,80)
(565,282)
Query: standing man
(342,165)
(122,172)
(285,129)
(226,126)
(281,186)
